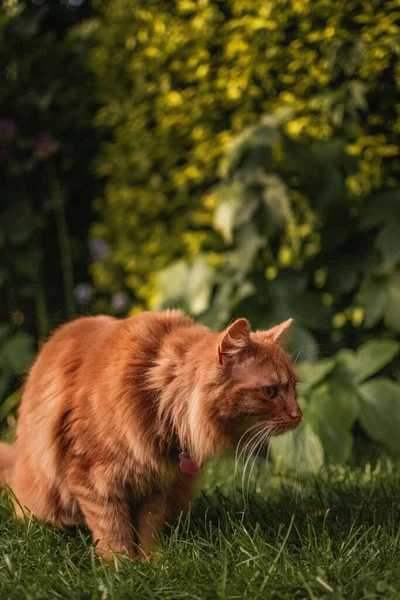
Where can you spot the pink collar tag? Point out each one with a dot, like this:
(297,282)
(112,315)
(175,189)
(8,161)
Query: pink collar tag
(188,465)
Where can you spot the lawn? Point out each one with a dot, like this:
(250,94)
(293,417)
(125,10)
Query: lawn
(335,536)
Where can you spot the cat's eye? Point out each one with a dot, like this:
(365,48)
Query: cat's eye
(270,391)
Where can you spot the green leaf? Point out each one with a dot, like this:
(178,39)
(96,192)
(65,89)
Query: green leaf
(225,217)
(5,382)
(311,374)
(372,356)
(388,241)
(372,298)
(9,404)
(300,450)
(171,282)
(331,411)
(187,285)
(392,316)
(276,198)
(199,285)
(380,411)
(380,298)
(17,353)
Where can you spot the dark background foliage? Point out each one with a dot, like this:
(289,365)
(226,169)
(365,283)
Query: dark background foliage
(47,146)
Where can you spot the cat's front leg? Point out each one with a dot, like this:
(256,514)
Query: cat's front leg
(149,520)
(179,496)
(109,519)
(159,509)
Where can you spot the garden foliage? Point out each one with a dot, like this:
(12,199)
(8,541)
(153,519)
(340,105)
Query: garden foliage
(294,213)
(47,142)
(178,80)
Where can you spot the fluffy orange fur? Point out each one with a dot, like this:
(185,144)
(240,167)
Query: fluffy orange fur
(109,405)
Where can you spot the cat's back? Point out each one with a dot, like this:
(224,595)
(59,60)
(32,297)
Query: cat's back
(89,351)
(62,358)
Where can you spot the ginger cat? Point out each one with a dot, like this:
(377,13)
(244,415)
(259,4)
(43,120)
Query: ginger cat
(117,417)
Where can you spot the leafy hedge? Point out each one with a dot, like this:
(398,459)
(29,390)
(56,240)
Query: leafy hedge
(177,81)
(297,214)
(296,244)
(342,291)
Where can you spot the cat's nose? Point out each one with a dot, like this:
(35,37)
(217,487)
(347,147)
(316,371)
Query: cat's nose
(296,414)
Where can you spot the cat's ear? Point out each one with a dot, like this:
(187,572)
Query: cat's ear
(275,334)
(234,339)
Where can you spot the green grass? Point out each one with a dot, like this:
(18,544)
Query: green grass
(336,536)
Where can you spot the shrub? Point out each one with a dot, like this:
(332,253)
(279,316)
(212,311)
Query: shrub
(177,81)
(338,276)
(296,244)
(296,215)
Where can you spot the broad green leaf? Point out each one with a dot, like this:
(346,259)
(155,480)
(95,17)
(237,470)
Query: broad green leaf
(172,282)
(199,285)
(186,285)
(248,243)
(9,404)
(311,373)
(372,356)
(331,411)
(388,241)
(276,198)
(17,353)
(372,298)
(380,411)
(224,219)
(300,450)
(380,298)
(5,382)
(392,316)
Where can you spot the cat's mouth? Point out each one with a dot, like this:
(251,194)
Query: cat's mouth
(279,428)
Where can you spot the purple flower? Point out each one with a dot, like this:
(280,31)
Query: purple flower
(120,301)
(83,293)
(98,248)
(8,129)
(44,146)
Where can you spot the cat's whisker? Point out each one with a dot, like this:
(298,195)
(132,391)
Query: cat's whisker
(267,433)
(237,455)
(248,444)
(252,455)
(257,426)
(261,444)
(256,440)
(296,463)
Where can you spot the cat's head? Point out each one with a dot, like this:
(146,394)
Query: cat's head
(257,381)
